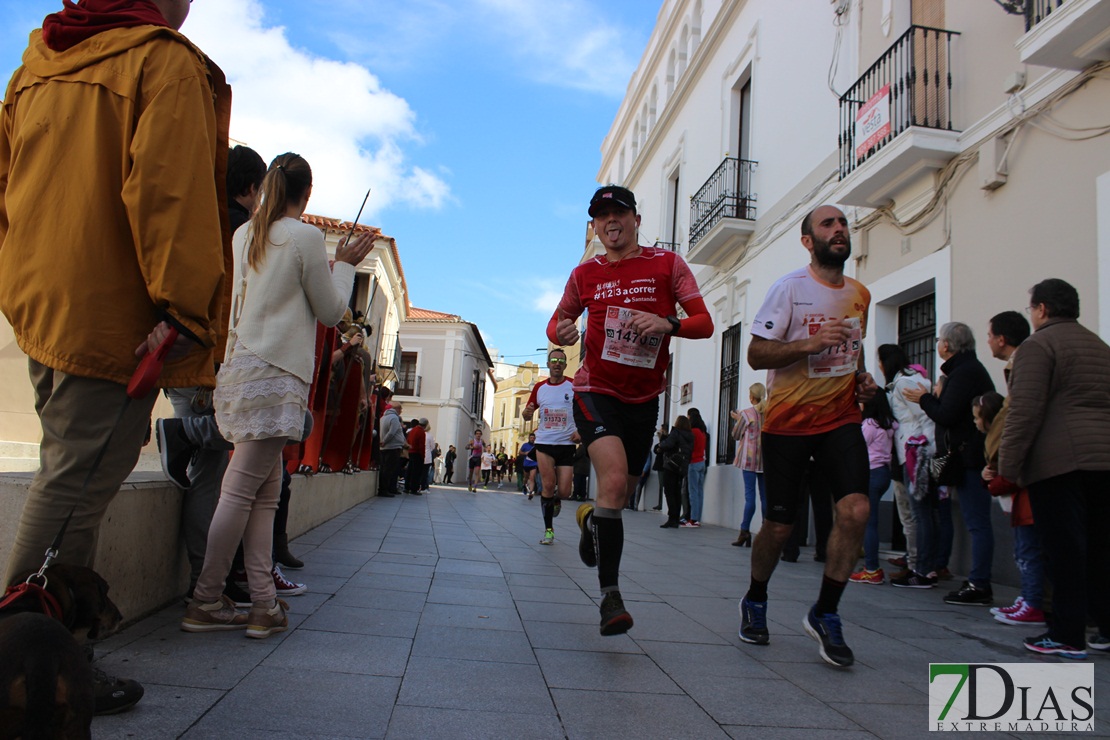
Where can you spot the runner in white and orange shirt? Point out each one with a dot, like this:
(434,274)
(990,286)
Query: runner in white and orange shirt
(809,335)
(553,397)
(631,294)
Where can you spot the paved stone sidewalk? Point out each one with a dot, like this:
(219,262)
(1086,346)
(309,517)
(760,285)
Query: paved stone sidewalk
(442,616)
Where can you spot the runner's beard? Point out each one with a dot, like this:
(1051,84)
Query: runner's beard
(822,251)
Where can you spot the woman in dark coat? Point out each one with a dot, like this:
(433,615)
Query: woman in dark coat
(964,379)
(677,447)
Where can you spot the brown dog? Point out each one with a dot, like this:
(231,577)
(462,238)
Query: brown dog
(46,682)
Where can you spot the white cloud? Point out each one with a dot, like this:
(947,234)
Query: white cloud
(567,43)
(335,114)
(545,297)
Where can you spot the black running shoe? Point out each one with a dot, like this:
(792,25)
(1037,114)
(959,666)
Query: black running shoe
(586,542)
(753,622)
(615,619)
(113,695)
(829,634)
(970,595)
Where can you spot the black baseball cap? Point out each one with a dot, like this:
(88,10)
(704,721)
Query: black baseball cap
(614,194)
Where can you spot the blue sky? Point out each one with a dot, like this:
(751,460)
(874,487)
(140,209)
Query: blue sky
(478,124)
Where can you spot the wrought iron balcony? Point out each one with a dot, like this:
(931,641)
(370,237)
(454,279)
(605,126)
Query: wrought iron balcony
(726,194)
(1066,34)
(909,85)
(896,120)
(669,246)
(1037,10)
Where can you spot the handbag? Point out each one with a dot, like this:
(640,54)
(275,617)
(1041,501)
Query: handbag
(948,469)
(675,462)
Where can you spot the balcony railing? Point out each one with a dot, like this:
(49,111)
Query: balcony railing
(390,352)
(1037,10)
(726,194)
(669,246)
(909,85)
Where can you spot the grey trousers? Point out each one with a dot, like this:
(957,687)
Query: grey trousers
(78,415)
(206,472)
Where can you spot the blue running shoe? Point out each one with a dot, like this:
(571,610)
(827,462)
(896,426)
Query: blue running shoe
(1045,645)
(829,634)
(753,622)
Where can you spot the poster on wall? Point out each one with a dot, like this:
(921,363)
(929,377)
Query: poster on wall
(873,122)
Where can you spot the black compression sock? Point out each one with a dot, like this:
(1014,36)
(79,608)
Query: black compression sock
(609,536)
(829,598)
(757,591)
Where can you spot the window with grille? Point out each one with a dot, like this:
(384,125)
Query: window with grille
(917,332)
(477,394)
(730,392)
(406,375)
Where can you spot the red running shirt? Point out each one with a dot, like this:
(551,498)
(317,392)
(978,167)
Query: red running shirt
(617,361)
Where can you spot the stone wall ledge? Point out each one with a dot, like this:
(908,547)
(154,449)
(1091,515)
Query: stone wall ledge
(140,552)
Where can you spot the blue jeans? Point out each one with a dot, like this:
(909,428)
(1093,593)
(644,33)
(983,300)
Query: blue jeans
(934,533)
(975,503)
(695,486)
(1027,555)
(751,480)
(879,482)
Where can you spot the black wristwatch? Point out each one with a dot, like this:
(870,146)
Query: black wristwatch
(675,325)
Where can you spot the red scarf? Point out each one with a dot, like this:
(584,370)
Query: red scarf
(76,23)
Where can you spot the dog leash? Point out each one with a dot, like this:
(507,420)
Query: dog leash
(142,381)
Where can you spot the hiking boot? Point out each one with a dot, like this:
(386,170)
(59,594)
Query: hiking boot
(913,580)
(970,595)
(829,634)
(615,619)
(113,695)
(175,451)
(873,577)
(586,549)
(265,620)
(282,554)
(753,622)
(996,610)
(1025,615)
(1045,645)
(214,617)
(284,586)
(548,537)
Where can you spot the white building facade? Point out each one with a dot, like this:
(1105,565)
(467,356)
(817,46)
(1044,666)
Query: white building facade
(963,141)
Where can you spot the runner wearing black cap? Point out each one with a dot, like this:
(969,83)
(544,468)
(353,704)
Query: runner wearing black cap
(630,295)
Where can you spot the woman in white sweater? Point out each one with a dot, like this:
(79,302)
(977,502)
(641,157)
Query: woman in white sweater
(282,287)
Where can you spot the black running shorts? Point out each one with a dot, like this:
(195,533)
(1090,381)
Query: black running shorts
(562,454)
(597,415)
(840,462)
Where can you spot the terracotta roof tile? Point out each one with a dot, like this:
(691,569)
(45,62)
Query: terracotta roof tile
(342,227)
(427,314)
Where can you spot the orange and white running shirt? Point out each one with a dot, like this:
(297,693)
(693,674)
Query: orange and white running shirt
(554,411)
(817,393)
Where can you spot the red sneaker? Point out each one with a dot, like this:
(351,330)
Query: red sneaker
(1026,615)
(873,577)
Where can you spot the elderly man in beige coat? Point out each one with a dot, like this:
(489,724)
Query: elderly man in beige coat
(1055,443)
